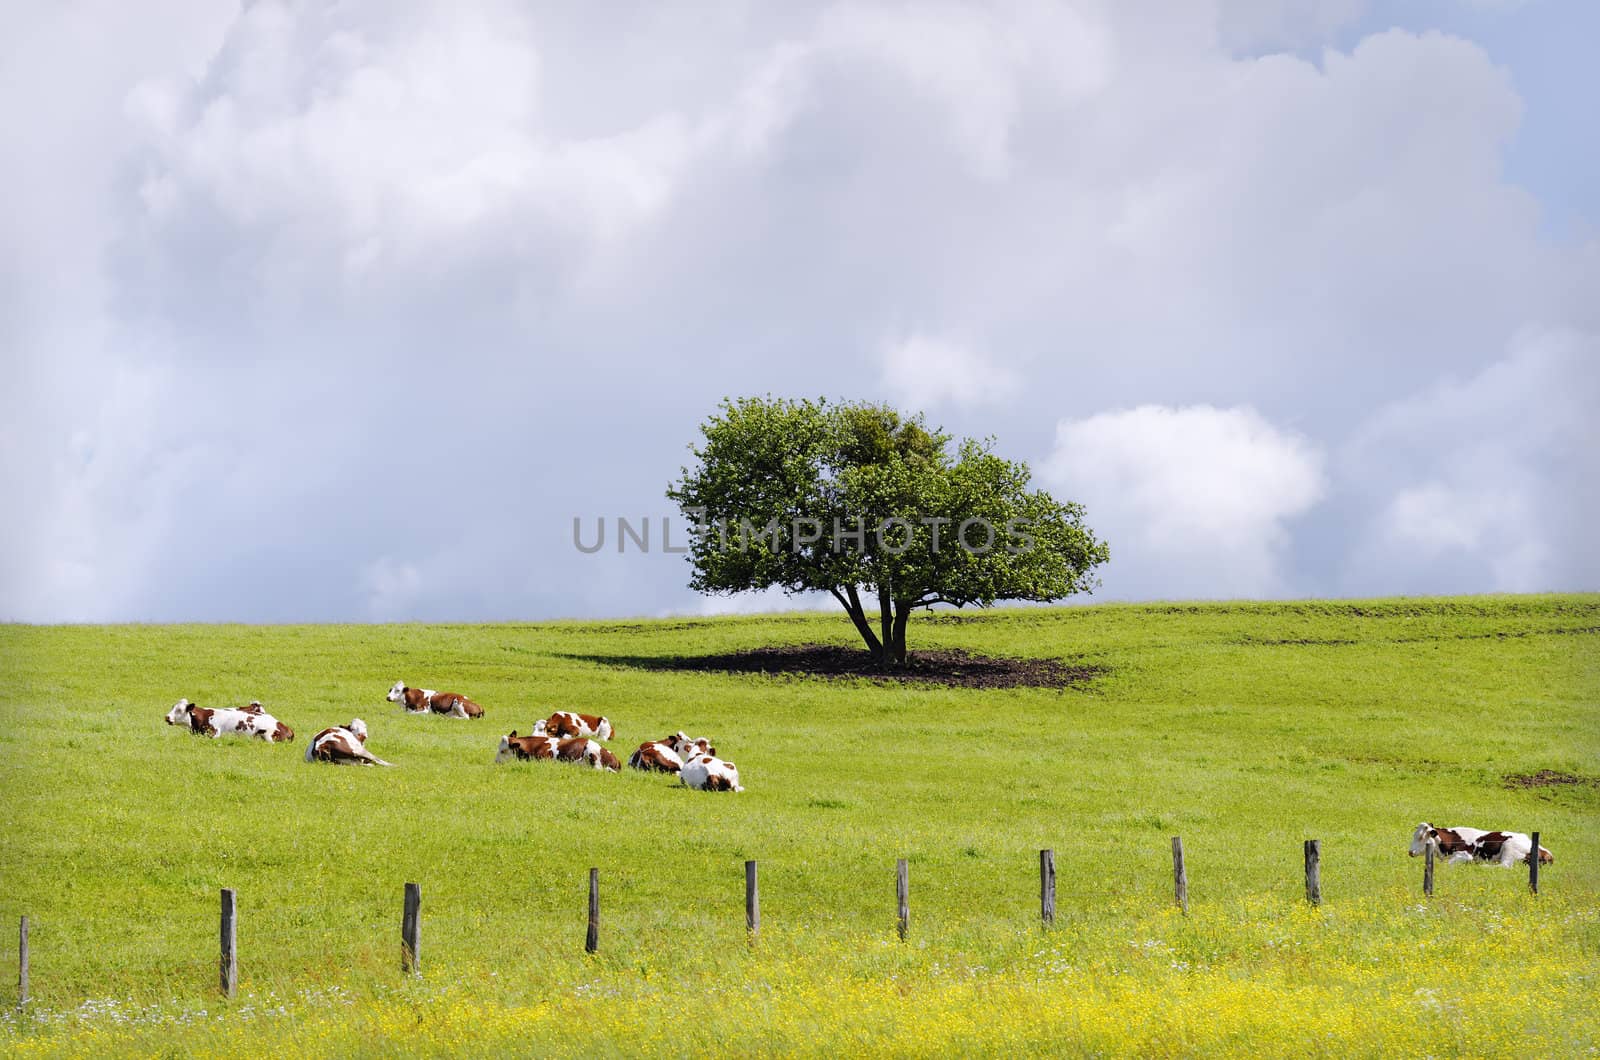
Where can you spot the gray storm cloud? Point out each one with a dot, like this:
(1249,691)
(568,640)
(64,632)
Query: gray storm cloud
(345,312)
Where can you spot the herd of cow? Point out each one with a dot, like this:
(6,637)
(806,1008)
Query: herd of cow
(565,736)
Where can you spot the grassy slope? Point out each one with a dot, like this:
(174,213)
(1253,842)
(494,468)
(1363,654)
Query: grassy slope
(1243,727)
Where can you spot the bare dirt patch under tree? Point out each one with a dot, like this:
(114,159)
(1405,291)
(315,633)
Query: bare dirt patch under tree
(948,667)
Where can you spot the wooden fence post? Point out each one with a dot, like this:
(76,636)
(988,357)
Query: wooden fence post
(229,961)
(1180,876)
(1047,887)
(1314,871)
(591,939)
(1533,865)
(22,965)
(752,900)
(902,890)
(411,931)
(1427,872)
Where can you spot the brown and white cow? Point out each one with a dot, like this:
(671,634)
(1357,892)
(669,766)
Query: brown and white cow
(538,746)
(343,745)
(657,756)
(1472,844)
(571,723)
(587,751)
(426,700)
(526,748)
(221,721)
(281,733)
(709,773)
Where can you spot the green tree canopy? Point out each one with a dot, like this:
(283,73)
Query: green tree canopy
(870,505)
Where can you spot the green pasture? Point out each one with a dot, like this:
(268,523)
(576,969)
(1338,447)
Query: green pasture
(1245,728)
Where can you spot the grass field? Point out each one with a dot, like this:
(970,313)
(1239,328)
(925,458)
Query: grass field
(1245,728)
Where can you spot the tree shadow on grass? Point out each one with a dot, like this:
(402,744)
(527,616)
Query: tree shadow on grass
(944,667)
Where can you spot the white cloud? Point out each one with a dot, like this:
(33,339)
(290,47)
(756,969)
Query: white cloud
(1194,501)
(392,587)
(1435,517)
(976,63)
(1494,527)
(1493,477)
(925,372)
(295,286)
(1261,25)
(400,140)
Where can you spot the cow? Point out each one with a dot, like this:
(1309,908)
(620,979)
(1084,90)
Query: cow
(426,700)
(526,748)
(657,756)
(709,773)
(571,723)
(538,746)
(343,745)
(220,721)
(281,733)
(1472,844)
(582,749)
(687,746)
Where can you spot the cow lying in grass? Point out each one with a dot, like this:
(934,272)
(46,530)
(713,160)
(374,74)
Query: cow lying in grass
(426,700)
(657,756)
(1472,844)
(538,746)
(666,756)
(343,745)
(709,773)
(220,721)
(569,723)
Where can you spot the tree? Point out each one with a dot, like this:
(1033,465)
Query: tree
(860,501)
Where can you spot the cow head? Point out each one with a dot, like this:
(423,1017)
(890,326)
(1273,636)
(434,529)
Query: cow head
(687,747)
(1424,837)
(538,728)
(179,714)
(514,746)
(397,693)
(358,729)
(603,729)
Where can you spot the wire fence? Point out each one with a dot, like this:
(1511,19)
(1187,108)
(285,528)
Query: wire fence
(295,933)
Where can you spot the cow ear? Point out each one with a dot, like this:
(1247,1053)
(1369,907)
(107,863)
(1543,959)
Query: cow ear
(513,732)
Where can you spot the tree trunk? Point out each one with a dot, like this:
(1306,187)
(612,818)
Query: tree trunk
(892,618)
(886,622)
(896,648)
(858,616)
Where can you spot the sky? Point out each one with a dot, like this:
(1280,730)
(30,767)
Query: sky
(346,312)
